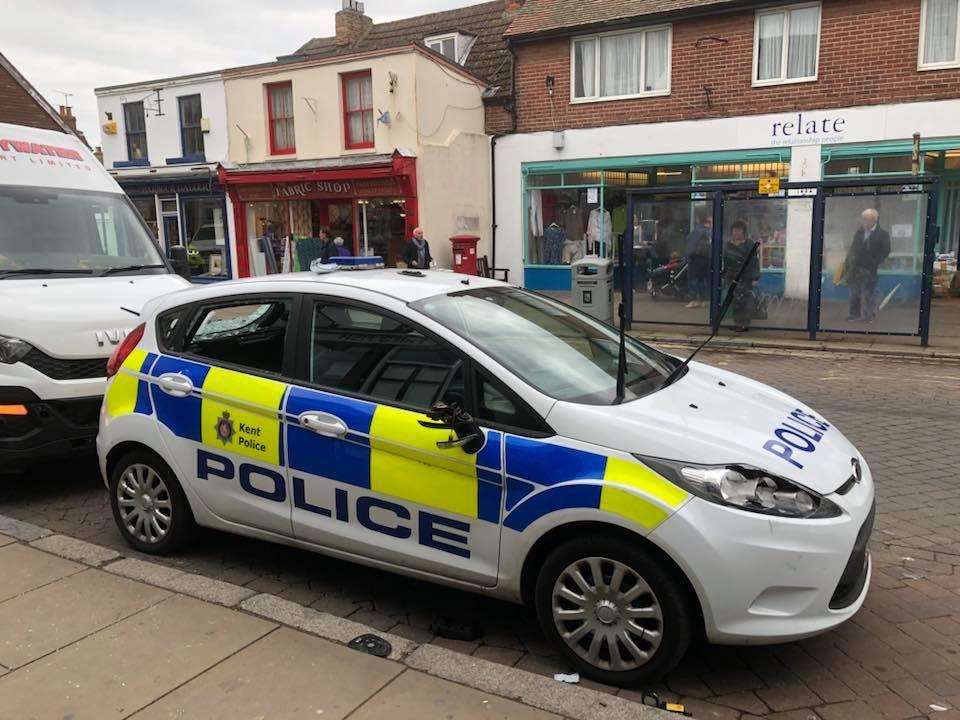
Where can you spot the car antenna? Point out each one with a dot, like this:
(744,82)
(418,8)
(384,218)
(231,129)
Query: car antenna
(727,302)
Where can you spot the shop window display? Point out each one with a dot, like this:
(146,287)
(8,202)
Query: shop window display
(147,207)
(385,226)
(268,228)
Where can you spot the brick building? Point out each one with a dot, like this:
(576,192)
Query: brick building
(21,104)
(617,94)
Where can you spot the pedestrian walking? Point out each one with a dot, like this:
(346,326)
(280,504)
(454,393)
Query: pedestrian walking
(870,247)
(735,254)
(698,259)
(417,253)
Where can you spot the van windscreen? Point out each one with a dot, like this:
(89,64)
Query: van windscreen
(71,232)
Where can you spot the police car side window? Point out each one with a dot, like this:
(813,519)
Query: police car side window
(496,405)
(365,352)
(250,334)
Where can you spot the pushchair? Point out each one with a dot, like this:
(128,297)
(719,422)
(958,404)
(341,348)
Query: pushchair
(669,280)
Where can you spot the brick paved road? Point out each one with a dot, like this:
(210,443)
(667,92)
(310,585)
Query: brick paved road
(899,656)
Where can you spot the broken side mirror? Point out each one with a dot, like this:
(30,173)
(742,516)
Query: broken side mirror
(469,436)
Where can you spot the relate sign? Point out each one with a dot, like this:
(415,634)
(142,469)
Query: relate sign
(807,129)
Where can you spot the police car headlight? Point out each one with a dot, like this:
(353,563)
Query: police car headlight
(13,349)
(746,488)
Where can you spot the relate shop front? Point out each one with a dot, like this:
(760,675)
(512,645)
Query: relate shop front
(556,205)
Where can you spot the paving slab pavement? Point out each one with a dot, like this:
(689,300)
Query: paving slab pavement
(80,642)
(41,621)
(24,569)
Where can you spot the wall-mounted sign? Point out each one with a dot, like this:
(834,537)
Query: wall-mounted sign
(316,189)
(805,128)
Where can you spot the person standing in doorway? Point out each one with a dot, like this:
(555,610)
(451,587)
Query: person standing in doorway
(870,247)
(326,245)
(417,254)
(698,259)
(735,254)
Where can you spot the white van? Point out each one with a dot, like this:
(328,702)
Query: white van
(77,264)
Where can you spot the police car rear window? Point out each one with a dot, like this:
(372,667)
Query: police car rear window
(365,352)
(250,334)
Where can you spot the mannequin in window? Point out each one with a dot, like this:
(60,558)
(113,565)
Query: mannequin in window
(599,228)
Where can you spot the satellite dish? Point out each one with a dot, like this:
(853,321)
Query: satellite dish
(384,117)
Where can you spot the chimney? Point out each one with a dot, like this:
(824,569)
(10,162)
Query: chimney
(351,23)
(66,114)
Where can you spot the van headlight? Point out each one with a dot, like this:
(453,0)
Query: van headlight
(746,488)
(13,349)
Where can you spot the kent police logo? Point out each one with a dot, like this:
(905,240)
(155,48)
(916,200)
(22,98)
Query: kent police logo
(224,428)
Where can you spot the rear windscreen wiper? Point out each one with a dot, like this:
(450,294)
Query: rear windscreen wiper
(126,268)
(45,271)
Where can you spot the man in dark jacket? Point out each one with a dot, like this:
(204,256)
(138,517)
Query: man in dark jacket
(735,254)
(698,259)
(871,246)
(417,253)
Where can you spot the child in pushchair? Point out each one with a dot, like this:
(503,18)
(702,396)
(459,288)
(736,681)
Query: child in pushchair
(669,280)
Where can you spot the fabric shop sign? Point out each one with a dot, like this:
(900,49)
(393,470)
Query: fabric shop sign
(318,189)
(806,128)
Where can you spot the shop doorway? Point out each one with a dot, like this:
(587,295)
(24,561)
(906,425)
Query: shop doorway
(337,216)
(170,221)
(383,229)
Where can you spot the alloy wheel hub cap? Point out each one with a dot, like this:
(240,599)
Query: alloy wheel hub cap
(606,612)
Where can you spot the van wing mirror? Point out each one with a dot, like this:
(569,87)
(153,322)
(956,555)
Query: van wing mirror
(177,254)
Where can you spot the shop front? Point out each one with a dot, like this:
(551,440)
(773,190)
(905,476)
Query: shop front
(186,210)
(281,207)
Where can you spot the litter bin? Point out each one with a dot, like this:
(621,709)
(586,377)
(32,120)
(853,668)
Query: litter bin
(465,253)
(592,285)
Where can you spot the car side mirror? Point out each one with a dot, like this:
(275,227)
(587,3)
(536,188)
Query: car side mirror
(469,436)
(177,254)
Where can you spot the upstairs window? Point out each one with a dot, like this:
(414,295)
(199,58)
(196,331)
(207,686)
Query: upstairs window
(454,46)
(446,45)
(191,134)
(786,45)
(280,112)
(621,65)
(135,126)
(358,110)
(940,34)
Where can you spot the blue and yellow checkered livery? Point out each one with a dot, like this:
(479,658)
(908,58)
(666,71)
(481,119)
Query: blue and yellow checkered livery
(514,480)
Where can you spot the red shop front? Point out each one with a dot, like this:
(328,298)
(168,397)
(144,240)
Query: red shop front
(279,209)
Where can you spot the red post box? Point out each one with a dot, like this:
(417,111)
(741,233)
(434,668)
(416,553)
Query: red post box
(465,253)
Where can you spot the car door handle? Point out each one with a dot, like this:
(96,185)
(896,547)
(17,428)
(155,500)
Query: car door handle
(175,384)
(323,424)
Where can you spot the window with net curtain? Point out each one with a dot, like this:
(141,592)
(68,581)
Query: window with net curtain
(787,43)
(622,64)
(941,32)
(280,107)
(358,109)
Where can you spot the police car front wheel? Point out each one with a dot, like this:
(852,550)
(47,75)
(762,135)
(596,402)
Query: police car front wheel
(619,617)
(148,504)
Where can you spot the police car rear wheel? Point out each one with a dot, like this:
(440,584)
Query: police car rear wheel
(148,504)
(617,615)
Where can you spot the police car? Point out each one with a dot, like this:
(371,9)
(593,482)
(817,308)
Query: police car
(463,431)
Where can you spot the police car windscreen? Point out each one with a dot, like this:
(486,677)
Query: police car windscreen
(558,350)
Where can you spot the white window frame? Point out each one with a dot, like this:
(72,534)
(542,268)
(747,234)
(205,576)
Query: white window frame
(783,79)
(462,44)
(643,61)
(921,65)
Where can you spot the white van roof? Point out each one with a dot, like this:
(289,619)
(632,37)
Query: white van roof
(31,157)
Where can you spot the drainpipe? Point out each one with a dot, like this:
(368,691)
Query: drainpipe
(493,201)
